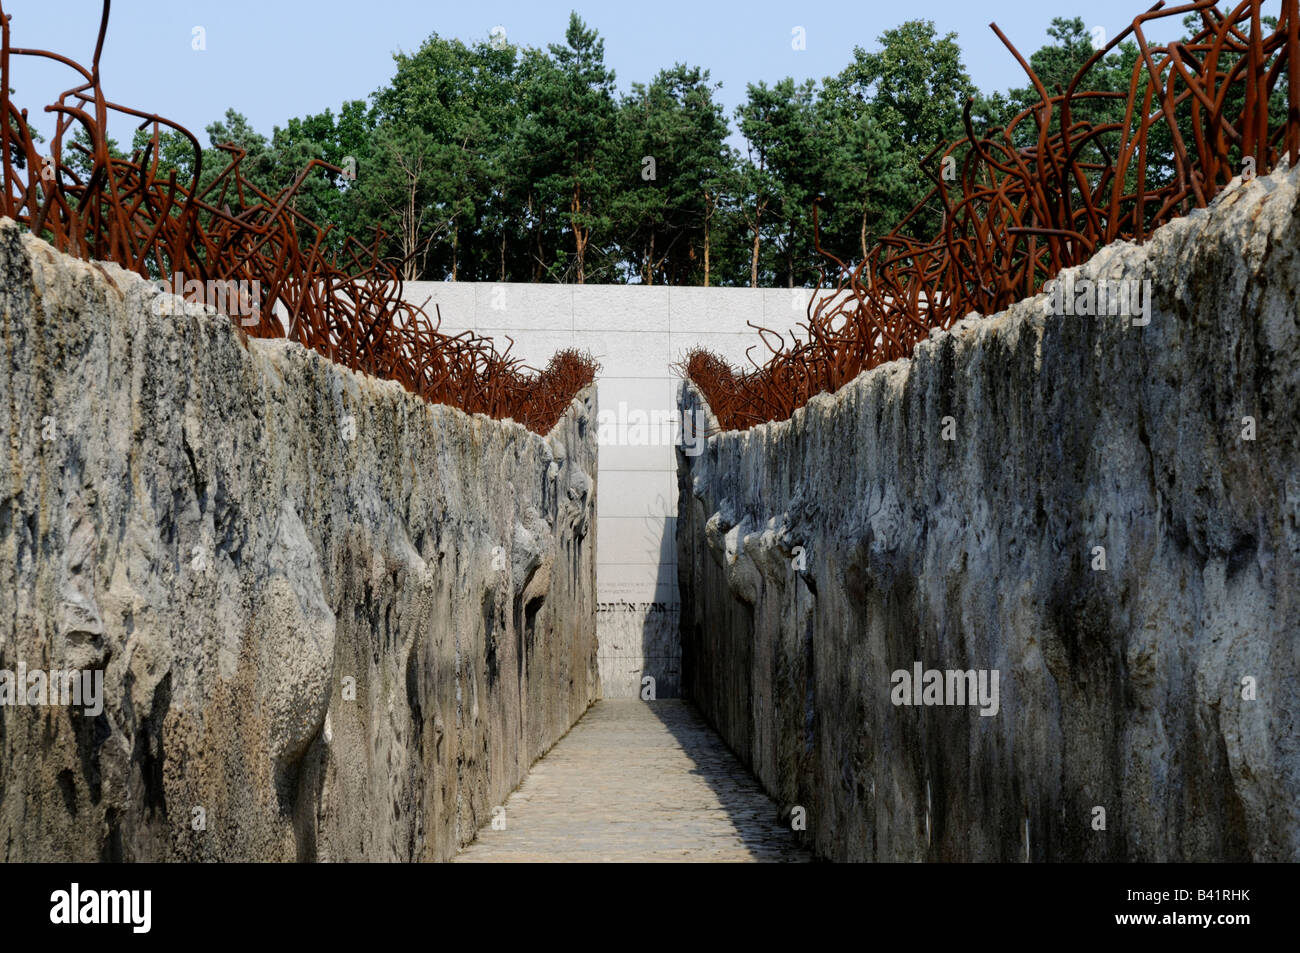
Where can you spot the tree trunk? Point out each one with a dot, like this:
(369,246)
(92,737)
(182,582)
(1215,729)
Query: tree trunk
(753,260)
(537,237)
(706,253)
(579,235)
(866,272)
(708,214)
(410,241)
(789,258)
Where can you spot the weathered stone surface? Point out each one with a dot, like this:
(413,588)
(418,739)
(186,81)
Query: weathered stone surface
(236,535)
(1120,689)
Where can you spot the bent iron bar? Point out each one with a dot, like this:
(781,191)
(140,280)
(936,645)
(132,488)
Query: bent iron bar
(347,306)
(1030,202)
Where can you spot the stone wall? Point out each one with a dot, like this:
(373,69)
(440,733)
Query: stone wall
(332,622)
(1103,511)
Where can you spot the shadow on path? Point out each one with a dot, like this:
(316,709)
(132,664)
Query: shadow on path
(638,781)
(752,813)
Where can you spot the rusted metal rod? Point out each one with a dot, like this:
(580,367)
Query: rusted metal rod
(1038,196)
(347,306)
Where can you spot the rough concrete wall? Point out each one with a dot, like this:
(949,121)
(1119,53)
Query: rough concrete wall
(240,535)
(1120,688)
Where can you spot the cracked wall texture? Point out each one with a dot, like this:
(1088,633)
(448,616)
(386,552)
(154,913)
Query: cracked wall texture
(1120,688)
(335,622)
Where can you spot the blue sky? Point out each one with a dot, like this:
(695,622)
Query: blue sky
(309,56)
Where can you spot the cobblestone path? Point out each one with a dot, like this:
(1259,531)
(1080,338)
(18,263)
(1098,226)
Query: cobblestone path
(638,781)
